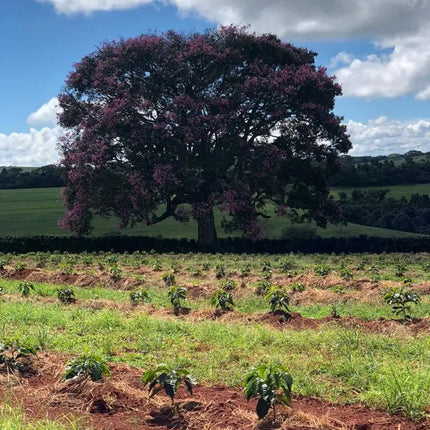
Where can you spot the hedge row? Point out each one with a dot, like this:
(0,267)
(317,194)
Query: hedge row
(358,244)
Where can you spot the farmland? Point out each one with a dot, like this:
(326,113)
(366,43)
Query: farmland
(354,363)
(396,191)
(37,211)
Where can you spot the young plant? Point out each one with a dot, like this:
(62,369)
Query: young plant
(400,299)
(169,279)
(399,270)
(228,285)
(374,273)
(87,365)
(244,271)
(167,378)
(297,287)
(222,300)
(286,266)
(272,384)
(138,296)
(25,288)
(176,294)
(157,266)
(66,295)
(321,270)
(115,271)
(66,268)
(219,271)
(20,266)
(346,274)
(278,300)
(266,270)
(262,287)
(15,356)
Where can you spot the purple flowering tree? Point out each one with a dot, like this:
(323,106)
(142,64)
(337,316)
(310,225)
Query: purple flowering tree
(174,125)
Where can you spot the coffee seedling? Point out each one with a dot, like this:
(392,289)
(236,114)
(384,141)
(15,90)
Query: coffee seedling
(322,270)
(88,366)
(278,300)
(169,279)
(400,299)
(272,384)
(25,288)
(15,356)
(169,379)
(228,285)
(138,296)
(222,300)
(176,294)
(66,295)
(115,272)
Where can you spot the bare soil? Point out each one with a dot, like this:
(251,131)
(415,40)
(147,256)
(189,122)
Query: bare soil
(121,403)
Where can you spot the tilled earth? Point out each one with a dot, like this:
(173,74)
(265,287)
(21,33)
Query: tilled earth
(121,403)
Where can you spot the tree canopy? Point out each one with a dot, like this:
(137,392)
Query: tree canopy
(186,123)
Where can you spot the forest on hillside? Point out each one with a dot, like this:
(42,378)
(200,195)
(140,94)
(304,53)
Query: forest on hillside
(41,177)
(411,168)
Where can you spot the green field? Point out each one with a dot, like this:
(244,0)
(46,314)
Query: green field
(28,212)
(365,355)
(396,191)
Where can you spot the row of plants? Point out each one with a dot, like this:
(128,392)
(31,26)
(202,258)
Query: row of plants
(120,266)
(400,298)
(271,383)
(336,363)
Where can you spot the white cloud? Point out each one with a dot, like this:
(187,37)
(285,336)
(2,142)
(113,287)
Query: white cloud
(383,136)
(424,94)
(400,26)
(35,148)
(403,71)
(342,58)
(88,6)
(299,19)
(46,114)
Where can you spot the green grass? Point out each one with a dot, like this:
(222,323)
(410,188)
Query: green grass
(12,417)
(396,191)
(336,364)
(247,304)
(342,364)
(29,212)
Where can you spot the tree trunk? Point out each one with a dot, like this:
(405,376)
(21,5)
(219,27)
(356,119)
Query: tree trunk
(207,237)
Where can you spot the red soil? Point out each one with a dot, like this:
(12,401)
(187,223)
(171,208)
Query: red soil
(120,403)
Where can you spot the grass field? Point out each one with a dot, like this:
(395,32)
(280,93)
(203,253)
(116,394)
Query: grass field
(27,212)
(396,191)
(364,355)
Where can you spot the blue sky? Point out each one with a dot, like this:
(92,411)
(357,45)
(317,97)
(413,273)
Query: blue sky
(380,54)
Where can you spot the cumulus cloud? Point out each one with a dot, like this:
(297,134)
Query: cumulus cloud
(383,136)
(35,148)
(401,26)
(88,6)
(294,18)
(46,114)
(403,71)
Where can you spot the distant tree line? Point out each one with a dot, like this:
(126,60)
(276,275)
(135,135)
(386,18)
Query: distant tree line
(373,208)
(383,171)
(410,168)
(42,177)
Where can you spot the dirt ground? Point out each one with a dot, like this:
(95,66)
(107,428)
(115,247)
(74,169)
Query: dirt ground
(121,403)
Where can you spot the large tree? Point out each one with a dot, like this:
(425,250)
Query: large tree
(226,118)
